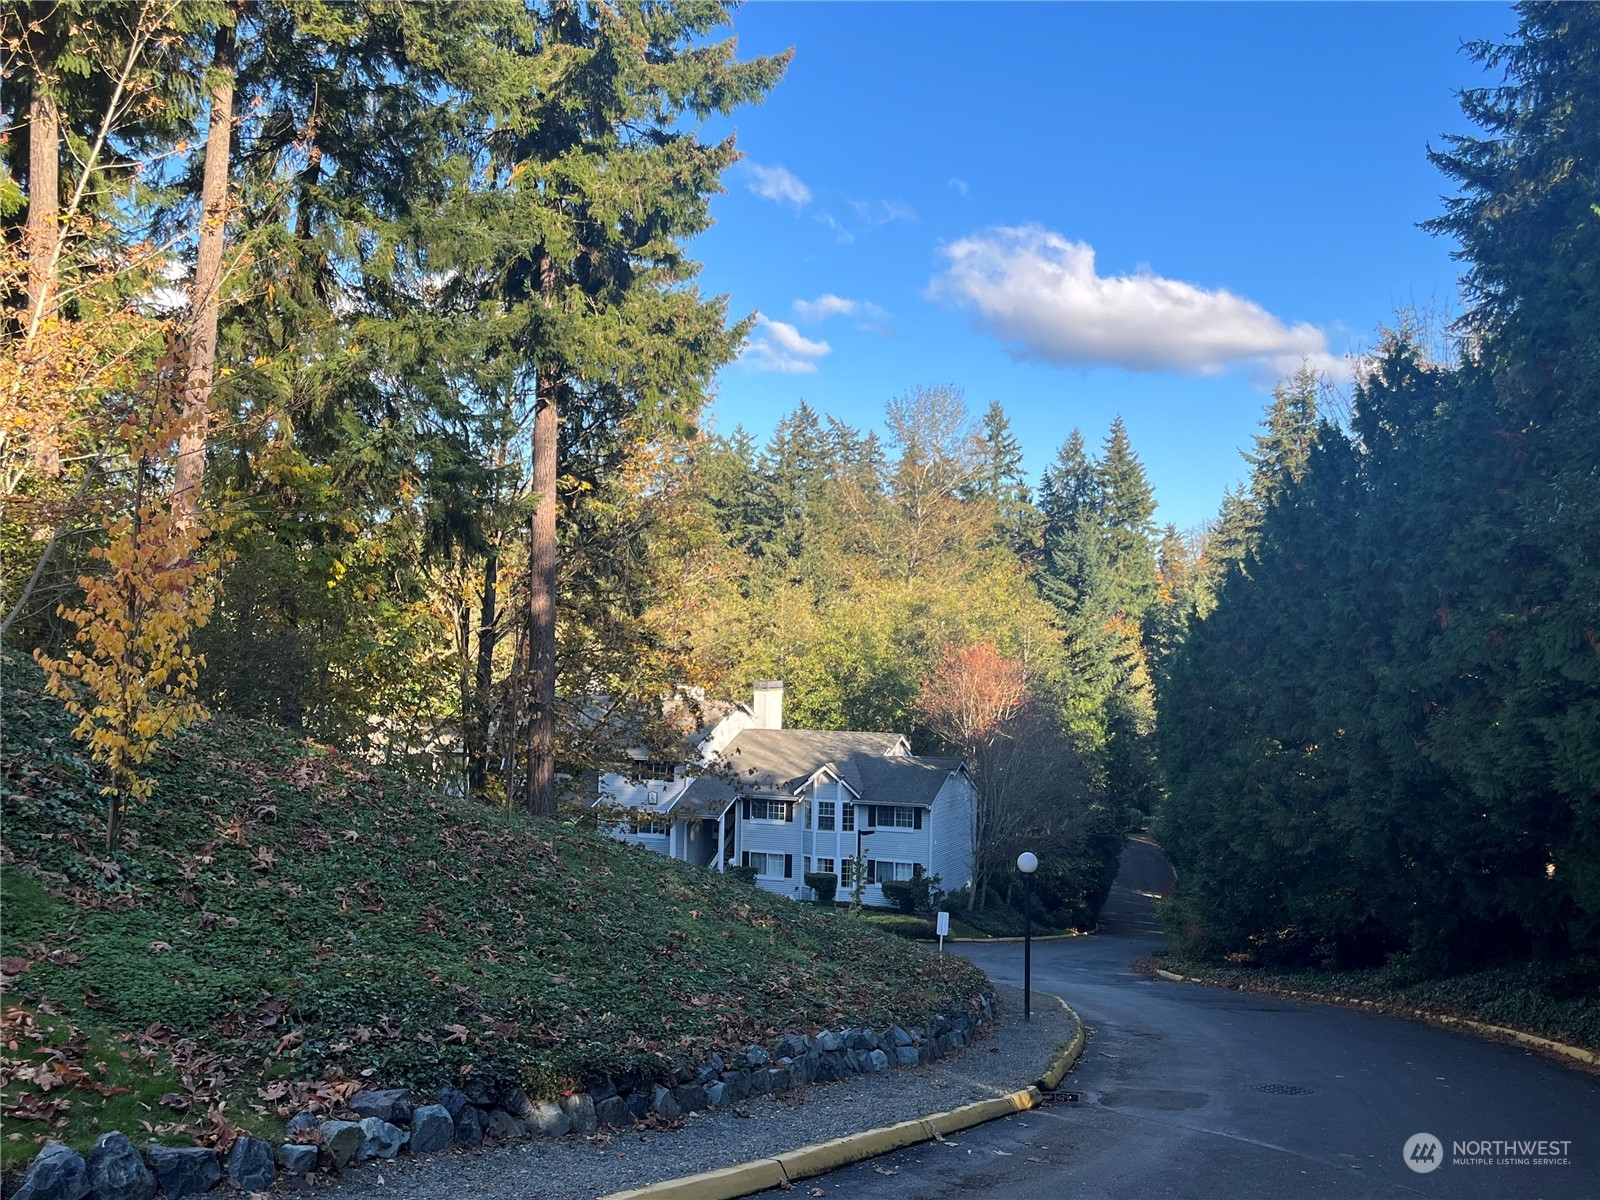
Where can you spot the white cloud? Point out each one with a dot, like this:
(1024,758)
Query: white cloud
(828,305)
(881,212)
(958,185)
(840,233)
(825,306)
(779,346)
(1038,292)
(779,184)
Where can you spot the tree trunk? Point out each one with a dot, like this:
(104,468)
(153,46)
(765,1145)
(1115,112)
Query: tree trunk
(483,681)
(540,794)
(44,174)
(207,281)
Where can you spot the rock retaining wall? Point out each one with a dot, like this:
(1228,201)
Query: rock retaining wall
(381,1123)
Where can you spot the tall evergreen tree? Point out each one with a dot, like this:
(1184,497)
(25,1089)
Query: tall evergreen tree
(1283,447)
(794,480)
(1069,493)
(1002,482)
(607,178)
(1127,514)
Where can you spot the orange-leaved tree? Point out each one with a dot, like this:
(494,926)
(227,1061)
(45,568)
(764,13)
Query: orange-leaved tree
(971,693)
(135,669)
(1029,778)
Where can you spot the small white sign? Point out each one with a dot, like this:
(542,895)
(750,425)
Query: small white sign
(943,925)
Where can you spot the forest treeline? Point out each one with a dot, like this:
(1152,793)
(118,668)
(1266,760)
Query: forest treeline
(356,371)
(380,314)
(1385,739)
(356,376)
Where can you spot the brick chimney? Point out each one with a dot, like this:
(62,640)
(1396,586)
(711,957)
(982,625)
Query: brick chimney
(768,706)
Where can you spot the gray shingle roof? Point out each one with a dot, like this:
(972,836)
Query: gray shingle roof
(780,760)
(707,797)
(903,779)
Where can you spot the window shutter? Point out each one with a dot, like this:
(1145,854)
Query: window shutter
(788,866)
(747,812)
(872,816)
(788,812)
(746,860)
(872,870)
(918,817)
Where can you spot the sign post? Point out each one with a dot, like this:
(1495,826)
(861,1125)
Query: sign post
(943,928)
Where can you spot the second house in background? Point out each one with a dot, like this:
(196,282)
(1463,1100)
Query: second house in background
(790,801)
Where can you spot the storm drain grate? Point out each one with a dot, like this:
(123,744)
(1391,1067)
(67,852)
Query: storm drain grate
(1283,1089)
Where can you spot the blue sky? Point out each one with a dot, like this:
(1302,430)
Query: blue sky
(1085,210)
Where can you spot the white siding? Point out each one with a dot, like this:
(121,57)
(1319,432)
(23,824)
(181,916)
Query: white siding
(619,791)
(893,845)
(730,727)
(830,843)
(656,842)
(774,837)
(954,809)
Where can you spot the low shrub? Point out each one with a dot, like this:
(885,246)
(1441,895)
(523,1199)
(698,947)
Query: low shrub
(900,924)
(825,884)
(903,895)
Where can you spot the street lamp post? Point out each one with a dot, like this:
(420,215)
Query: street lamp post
(1027,863)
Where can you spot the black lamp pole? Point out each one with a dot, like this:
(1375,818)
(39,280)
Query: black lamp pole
(1027,863)
(1027,947)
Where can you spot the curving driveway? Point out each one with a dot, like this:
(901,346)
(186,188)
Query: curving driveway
(1197,1093)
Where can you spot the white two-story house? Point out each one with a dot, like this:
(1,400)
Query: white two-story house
(791,801)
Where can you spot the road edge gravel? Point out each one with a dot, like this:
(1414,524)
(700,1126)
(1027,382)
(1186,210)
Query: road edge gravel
(1548,1046)
(763,1174)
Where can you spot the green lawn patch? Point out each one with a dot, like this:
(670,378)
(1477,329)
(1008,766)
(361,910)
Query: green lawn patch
(1556,1001)
(285,921)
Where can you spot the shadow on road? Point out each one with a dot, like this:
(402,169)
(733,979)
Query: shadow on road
(1130,908)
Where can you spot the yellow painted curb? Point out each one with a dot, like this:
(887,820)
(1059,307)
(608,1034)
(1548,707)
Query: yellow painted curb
(830,1156)
(759,1175)
(1067,1056)
(1443,1020)
(981,1111)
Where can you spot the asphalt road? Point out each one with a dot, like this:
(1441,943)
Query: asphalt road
(1203,1093)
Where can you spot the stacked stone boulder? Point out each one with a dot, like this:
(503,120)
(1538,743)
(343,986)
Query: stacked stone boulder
(387,1121)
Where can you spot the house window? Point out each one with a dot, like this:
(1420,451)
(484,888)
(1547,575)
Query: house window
(772,866)
(888,872)
(825,866)
(894,816)
(644,770)
(846,873)
(766,810)
(849,818)
(636,827)
(825,814)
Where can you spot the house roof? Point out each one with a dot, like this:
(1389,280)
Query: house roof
(780,760)
(903,779)
(707,797)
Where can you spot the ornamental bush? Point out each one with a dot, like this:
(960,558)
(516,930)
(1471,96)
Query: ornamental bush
(825,884)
